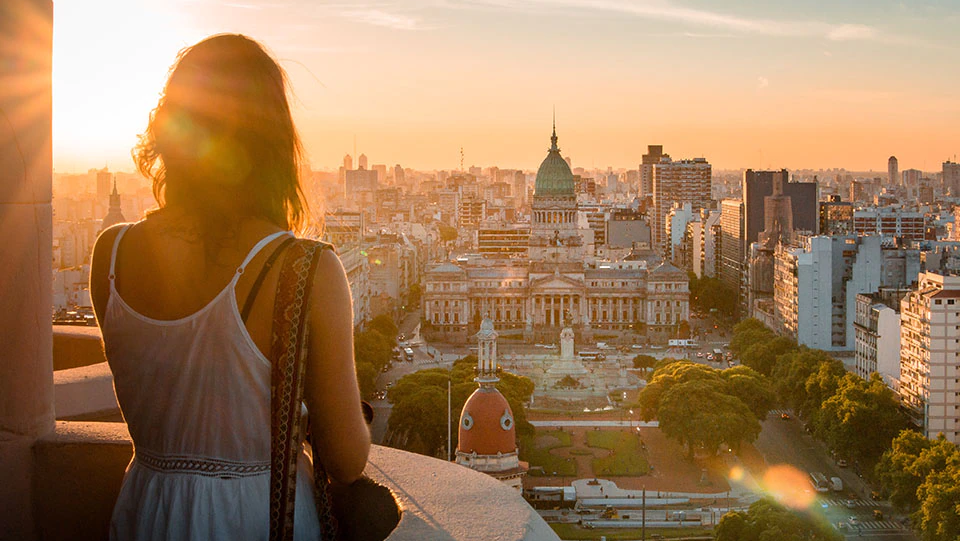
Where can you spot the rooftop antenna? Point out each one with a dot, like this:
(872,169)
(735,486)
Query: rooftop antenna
(461,159)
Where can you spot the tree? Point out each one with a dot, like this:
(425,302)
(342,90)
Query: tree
(747,333)
(762,356)
(646,362)
(384,325)
(861,419)
(413,296)
(698,414)
(366,379)
(939,515)
(708,293)
(767,520)
(667,374)
(792,371)
(372,347)
(683,330)
(901,471)
(751,387)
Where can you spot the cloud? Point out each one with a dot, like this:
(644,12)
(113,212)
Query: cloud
(762,82)
(667,10)
(850,32)
(381,17)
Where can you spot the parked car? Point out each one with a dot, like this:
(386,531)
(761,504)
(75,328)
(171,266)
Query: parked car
(785,416)
(842,463)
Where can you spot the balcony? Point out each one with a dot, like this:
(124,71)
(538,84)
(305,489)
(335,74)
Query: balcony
(78,469)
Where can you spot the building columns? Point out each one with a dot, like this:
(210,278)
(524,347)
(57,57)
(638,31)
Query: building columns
(26,226)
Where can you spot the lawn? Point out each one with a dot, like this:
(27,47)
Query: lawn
(536,450)
(575,532)
(627,458)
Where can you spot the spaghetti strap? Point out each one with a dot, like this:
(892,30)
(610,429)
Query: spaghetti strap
(113,252)
(256,249)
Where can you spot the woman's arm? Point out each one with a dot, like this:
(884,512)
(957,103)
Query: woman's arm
(331,390)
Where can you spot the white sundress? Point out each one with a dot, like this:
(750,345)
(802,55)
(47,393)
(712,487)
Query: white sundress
(195,393)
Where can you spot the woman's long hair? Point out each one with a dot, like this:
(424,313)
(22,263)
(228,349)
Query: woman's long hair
(221,144)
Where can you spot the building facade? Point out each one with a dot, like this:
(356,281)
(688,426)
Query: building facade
(676,183)
(929,363)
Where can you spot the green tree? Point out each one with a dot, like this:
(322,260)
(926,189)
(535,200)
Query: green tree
(939,515)
(861,419)
(683,330)
(762,356)
(708,293)
(901,470)
(747,333)
(668,374)
(384,325)
(767,520)
(700,415)
(366,379)
(372,347)
(413,297)
(646,362)
(792,371)
(751,387)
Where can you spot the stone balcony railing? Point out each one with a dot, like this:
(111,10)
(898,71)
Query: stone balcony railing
(79,467)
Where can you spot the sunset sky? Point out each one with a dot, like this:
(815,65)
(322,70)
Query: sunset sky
(802,84)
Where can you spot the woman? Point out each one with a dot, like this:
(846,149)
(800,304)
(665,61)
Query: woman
(192,376)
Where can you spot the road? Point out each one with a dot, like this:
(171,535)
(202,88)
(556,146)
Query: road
(785,442)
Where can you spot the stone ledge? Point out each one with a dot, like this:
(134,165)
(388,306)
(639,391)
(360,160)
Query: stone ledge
(75,346)
(84,391)
(79,467)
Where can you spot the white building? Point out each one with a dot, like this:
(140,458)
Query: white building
(816,285)
(930,356)
(877,334)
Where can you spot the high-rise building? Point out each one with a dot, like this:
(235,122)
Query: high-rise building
(911,177)
(815,285)
(893,177)
(951,177)
(651,158)
(730,245)
(398,175)
(876,328)
(103,185)
(362,162)
(890,222)
(757,185)
(676,183)
(347,162)
(929,367)
(114,215)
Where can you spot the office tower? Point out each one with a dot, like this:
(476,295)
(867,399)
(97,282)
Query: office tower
(651,158)
(890,222)
(676,183)
(381,172)
(347,162)
(757,185)
(362,162)
(929,366)
(836,217)
(951,177)
(103,184)
(730,245)
(893,177)
(398,175)
(911,177)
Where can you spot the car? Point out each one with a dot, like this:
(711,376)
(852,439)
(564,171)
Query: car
(785,416)
(699,354)
(550,346)
(853,521)
(636,346)
(850,504)
(842,463)
(877,514)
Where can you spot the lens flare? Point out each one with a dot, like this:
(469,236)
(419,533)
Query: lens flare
(789,486)
(737,474)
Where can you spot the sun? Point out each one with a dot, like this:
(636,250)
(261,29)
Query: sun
(110,61)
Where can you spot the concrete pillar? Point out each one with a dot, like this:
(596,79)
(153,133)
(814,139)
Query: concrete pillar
(26,224)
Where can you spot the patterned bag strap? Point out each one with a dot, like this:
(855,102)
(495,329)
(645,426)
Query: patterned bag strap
(288,354)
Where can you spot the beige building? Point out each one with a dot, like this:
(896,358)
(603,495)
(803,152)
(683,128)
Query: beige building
(557,286)
(930,355)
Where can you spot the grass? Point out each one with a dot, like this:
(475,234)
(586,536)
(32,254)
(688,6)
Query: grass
(541,456)
(575,532)
(626,460)
(580,452)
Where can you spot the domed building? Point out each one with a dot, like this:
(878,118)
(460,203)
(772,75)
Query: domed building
(487,434)
(554,235)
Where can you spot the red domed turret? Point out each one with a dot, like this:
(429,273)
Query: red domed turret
(487,424)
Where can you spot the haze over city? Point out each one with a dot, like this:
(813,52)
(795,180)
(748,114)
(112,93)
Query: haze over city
(746,84)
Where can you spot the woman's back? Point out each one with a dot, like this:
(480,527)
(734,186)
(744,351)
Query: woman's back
(194,390)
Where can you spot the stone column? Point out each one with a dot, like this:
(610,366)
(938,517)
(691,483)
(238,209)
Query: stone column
(26,225)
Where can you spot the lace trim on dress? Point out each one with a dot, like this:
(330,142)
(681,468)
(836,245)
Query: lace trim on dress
(209,467)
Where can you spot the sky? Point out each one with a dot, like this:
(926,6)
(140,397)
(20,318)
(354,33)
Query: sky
(743,83)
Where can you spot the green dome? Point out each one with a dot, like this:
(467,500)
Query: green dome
(554,176)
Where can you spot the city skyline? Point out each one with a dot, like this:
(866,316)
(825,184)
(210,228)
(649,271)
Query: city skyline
(811,86)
